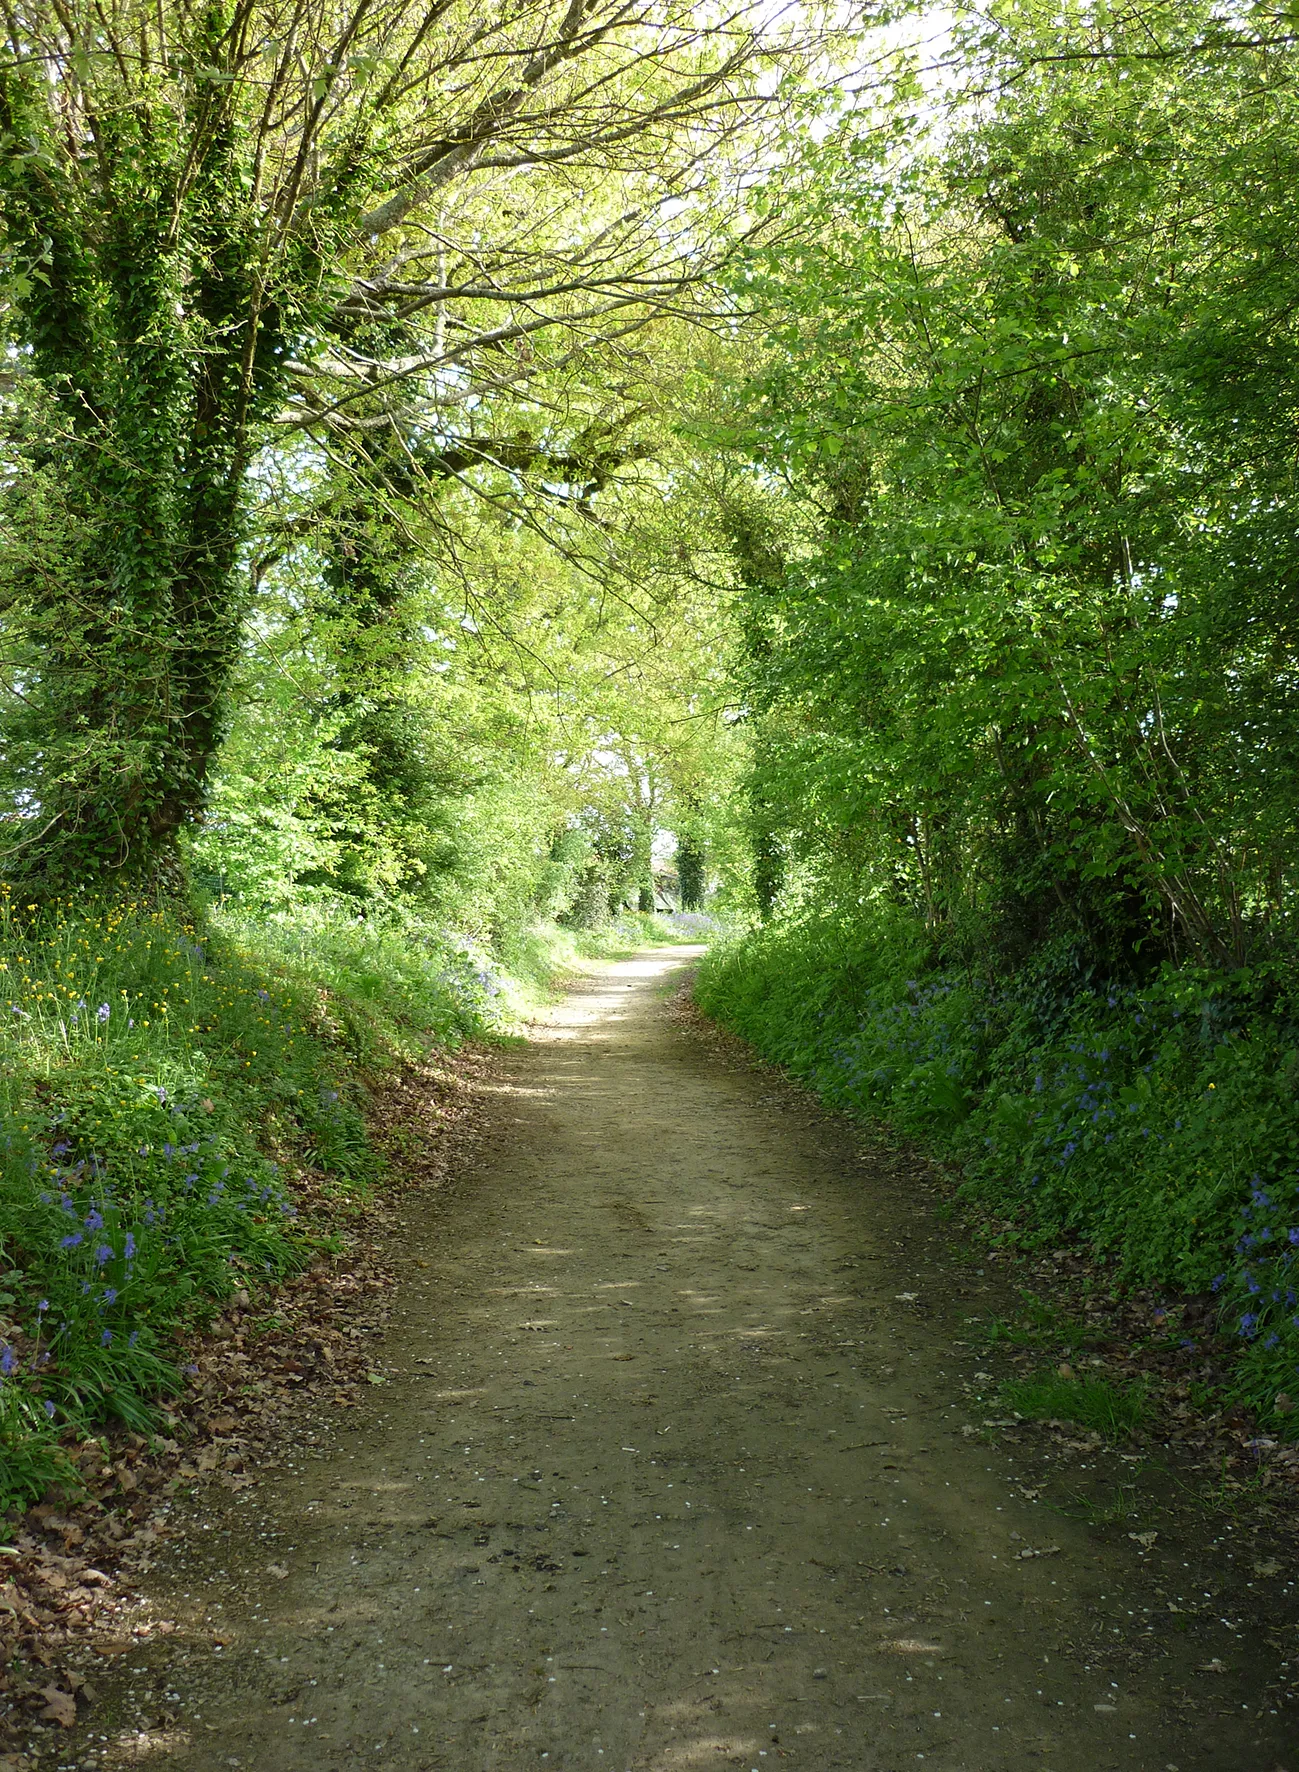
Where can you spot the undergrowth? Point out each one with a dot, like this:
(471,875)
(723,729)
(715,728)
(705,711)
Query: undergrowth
(1157,1123)
(1107,1409)
(159,1082)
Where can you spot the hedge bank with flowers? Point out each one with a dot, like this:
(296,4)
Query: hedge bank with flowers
(1157,1124)
(153,1080)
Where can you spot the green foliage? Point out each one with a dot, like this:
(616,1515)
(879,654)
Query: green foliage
(1032,672)
(1016,601)
(1107,1409)
(149,1070)
(208,300)
(1158,1124)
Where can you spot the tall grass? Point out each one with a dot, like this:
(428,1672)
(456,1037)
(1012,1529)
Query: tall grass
(148,1069)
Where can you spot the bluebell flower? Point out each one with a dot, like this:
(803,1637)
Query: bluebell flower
(1248,1323)
(94,1220)
(49,1408)
(103,1254)
(110,1295)
(105,1338)
(102,1013)
(70,1242)
(7,1360)
(128,1248)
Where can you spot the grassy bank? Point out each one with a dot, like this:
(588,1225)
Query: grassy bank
(161,1084)
(1158,1124)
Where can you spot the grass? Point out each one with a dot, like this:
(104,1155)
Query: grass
(1039,1324)
(539,959)
(161,1084)
(1154,1122)
(1093,1403)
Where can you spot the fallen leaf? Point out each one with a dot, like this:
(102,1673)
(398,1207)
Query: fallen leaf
(1267,1570)
(277,1570)
(60,1706)
(1213,1667)
(1144,1539)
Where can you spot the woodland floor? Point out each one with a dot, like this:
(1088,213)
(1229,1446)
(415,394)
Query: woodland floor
(676,1465)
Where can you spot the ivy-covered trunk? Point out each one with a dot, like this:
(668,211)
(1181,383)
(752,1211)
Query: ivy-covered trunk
(149,362)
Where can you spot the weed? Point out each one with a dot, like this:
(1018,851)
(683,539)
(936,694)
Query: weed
(1092,1403)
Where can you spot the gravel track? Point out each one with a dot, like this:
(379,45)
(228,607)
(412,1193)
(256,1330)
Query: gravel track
(669,1472)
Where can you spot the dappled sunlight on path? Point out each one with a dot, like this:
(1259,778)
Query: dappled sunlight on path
(670,1473)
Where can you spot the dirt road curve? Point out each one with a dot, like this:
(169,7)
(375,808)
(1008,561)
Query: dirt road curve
(669,1475)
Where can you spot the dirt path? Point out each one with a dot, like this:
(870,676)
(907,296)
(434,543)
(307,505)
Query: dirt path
(669,1473)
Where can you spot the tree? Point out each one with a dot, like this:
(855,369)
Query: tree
(1035,677)
(237,221)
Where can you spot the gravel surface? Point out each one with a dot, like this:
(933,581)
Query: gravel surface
(673,1466)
